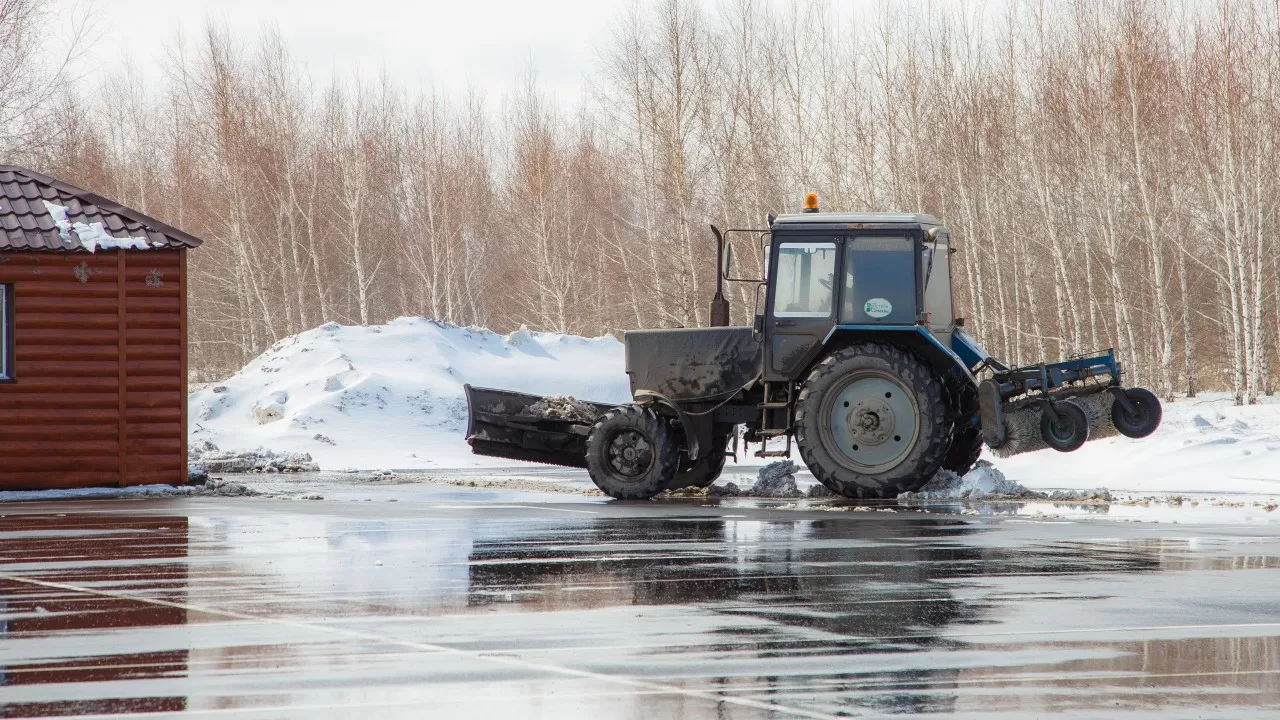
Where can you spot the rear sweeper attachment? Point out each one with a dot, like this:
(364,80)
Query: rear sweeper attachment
(855,356)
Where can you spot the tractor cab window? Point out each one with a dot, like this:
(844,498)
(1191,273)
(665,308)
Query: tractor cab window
(879,281)
(805,280)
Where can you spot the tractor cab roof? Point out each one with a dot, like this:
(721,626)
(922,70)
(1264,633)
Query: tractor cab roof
(859,219)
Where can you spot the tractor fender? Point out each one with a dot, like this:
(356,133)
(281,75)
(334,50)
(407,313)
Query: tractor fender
(648,397)
(913,337)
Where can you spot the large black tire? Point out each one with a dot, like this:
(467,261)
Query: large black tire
(1145,418)
(887,463)
(966,438)
(966,448)
(702,472)
(632,454)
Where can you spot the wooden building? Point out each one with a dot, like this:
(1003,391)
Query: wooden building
(93,339)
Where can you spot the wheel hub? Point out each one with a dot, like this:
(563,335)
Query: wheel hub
(871,421)
(630,453)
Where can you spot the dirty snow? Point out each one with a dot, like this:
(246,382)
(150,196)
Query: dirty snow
(983,481)
(206,457)
(564,407)
(216,487)
(390,396)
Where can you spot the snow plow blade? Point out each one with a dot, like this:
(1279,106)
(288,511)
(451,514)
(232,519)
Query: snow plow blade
(509,425)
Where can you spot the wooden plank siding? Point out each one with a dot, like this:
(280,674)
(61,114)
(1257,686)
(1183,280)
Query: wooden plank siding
(99,396)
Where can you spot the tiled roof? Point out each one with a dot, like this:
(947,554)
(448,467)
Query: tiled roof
(26,222)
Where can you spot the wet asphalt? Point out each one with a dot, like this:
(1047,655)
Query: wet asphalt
(491,604)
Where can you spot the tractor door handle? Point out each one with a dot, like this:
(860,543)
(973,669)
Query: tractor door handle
(784,323)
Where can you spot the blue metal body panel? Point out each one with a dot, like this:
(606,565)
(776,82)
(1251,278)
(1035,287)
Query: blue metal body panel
(919,329)
(968,349)
(966,354)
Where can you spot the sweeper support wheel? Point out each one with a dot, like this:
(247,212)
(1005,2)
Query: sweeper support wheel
(1068,430)
(1141,418)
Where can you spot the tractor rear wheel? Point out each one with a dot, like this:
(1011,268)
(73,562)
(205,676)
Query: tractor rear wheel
(966,441)
(632,453)
(872,421)
(702,472)
(966,448)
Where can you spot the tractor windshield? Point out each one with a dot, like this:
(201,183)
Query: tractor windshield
(879,281)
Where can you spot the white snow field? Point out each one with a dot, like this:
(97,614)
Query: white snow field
(390,397)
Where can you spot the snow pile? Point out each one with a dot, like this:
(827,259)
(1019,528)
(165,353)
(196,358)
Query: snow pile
(205,457)
(986,482)
(219,488)
(390,396)
(777,480)
(983,481)
(564,407)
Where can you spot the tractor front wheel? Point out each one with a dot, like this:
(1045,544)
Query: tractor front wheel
(872,421)
(632,453)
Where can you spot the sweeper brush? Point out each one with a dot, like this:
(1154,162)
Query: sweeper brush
(1062,406)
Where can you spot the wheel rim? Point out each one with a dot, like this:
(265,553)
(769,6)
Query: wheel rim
(630,453)
(1062,429)
(1138,415)
(871,421)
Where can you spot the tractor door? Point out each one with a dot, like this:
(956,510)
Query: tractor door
(801,304)
(880,280)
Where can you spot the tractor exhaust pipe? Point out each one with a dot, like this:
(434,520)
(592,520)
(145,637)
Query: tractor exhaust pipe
(719,304)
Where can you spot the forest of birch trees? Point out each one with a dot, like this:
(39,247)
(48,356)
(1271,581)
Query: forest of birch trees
(1107,169)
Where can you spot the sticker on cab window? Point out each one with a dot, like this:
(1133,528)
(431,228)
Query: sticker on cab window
(878,308)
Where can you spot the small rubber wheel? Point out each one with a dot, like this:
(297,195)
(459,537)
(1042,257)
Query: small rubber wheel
(702,472)
(632,454)
(1145,417)
(965,450)
(1069,432)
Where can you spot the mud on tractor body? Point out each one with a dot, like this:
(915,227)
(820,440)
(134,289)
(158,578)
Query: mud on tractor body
(855,356)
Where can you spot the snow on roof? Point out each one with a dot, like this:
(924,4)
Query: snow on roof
(38,212)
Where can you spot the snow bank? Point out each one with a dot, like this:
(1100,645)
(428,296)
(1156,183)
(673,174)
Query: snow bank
(390,396)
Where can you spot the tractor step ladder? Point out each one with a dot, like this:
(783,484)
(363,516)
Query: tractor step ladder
(767,432)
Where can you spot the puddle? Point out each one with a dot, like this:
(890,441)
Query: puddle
(643,609)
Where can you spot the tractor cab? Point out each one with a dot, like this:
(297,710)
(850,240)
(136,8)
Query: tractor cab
(869,272)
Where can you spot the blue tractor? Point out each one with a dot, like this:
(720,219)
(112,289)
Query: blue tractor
(855,357)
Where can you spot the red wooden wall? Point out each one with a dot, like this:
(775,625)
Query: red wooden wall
(99,396)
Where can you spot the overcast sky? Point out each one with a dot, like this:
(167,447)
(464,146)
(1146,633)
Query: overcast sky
(454,43)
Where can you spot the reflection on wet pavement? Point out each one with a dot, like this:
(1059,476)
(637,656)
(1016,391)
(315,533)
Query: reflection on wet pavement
(276,609)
